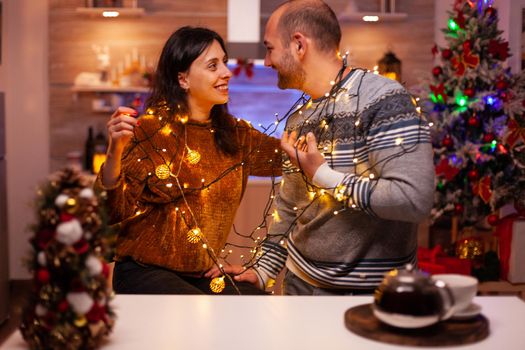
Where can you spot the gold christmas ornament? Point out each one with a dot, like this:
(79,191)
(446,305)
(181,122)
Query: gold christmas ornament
(80,321)
(163,171)
(193,157)
(217,284)
(194,235)
(71,205)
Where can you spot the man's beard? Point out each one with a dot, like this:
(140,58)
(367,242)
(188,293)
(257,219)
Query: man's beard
(290,74)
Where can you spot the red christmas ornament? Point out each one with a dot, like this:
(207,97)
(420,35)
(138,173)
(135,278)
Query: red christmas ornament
(469,92)
(473,121)
(66,217)
(499,50)
(488,137)
(42,276)
(492,219)
(473,174)
(434,50)
(436,71)
(501,84)
(63,306)
(505,96)
(458,208)
(447,141)
(446,54)
(96,313)
(81,246)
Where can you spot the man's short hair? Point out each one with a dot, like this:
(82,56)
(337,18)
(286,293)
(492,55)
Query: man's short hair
(313,18)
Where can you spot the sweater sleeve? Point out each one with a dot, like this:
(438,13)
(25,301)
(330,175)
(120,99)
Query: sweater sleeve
(122,198)
(264,154)
(282,223)
(397,181)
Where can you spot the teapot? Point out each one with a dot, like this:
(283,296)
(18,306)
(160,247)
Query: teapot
(411,299)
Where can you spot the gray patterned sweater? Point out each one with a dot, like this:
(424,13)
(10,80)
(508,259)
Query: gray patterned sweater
(358,218)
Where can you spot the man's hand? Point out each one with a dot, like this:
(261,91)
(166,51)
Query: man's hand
(303,154)
(240,274)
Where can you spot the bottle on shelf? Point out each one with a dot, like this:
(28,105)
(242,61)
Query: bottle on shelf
(99,154)
(89,150)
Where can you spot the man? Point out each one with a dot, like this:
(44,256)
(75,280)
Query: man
(348,215)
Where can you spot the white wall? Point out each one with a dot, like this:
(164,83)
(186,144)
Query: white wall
(510,18)
(24,79)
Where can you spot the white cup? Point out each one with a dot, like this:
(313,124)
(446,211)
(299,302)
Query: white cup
(463,288)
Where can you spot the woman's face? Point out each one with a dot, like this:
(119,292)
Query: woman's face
(207,80)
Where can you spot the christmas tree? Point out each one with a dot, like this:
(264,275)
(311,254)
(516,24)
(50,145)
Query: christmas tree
(477,107)
(69,307)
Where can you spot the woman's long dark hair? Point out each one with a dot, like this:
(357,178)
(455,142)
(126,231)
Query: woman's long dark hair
(179,52)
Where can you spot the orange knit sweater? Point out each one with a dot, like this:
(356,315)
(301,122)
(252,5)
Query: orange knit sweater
(151,214)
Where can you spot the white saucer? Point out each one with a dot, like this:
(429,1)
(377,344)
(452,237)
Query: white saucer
(469,312)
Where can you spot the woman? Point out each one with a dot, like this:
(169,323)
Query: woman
(175,176)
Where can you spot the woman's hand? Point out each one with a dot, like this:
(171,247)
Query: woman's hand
(240,274)
(120,129)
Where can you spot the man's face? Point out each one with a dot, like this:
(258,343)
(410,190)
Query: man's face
(289,70)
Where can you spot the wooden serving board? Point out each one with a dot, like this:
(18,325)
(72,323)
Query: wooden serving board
(361,320)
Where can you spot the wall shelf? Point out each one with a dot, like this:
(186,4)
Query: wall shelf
(110,89)
(99,11)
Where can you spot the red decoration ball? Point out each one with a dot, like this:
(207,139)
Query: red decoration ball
(469,92)
(63,306)
(473,174)
(458,208)
(446,54)
(488,137)
(81,246)
(492,219)
(504,96)
(42,276)
(96,313)
(473,121)
(501,84)
(436,71)
(448,141)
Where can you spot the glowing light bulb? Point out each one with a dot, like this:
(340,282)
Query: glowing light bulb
(193,157)
(162,171)
(194,235)
(217,284)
